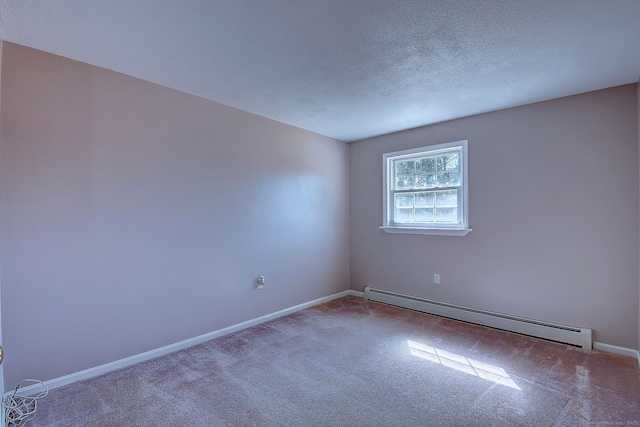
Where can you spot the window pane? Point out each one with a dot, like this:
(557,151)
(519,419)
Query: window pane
(424,215)
(446,214)
(426,165)
(424,199)
(448,162)
(404,200)
(422,181)
(431,180)
(404,182)
(447,198)
(405,168)
(446,179)
(403,215)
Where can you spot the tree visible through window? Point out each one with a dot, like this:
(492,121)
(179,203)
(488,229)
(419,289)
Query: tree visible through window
(425,189)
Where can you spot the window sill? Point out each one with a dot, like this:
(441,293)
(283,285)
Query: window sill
(429,231)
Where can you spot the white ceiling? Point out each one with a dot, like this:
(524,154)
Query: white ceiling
(348,69)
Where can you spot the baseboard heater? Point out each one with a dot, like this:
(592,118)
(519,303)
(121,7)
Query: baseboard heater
(565,334)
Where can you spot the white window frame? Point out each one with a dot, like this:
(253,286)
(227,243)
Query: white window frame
(433,229)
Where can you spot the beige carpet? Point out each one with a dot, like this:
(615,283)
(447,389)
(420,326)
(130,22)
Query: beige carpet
(350,362)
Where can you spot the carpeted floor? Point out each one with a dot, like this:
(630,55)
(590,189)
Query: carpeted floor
(350,362)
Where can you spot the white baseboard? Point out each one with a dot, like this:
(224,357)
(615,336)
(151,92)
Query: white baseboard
(171,348)
(623,351)
(152,354)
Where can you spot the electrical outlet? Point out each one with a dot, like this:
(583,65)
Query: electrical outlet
(260,282)
(436,278)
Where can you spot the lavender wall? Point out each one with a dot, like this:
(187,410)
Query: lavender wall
(135,216)
(553,207)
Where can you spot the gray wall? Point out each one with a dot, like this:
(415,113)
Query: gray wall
(134,216)
(553,206)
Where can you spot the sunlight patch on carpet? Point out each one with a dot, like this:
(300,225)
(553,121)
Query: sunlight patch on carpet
(462,364)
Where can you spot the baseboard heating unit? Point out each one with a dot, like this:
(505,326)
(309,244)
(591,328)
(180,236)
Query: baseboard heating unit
(560,333)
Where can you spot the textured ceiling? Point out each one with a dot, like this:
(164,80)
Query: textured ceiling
(349,69)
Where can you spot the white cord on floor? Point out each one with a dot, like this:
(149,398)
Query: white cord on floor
(18,408)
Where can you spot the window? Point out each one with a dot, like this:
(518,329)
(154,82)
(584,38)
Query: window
(425,190)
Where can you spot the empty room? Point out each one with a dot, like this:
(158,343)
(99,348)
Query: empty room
(320,213)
